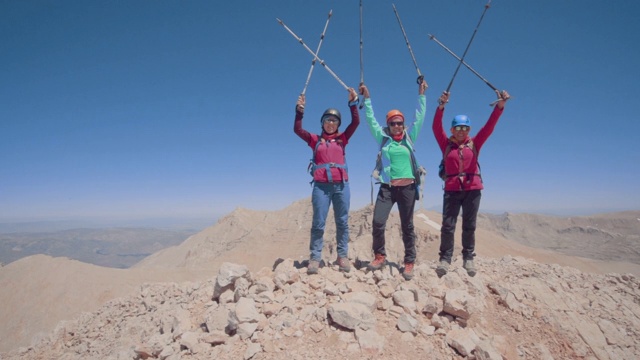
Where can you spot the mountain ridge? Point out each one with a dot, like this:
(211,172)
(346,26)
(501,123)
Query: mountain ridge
(253,238)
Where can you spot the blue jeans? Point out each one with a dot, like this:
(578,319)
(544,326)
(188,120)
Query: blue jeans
(322,196)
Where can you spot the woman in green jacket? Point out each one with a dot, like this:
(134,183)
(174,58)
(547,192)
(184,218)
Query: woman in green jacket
(397,178)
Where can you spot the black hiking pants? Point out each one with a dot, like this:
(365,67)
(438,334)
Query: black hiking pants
(453,201)
(405,197)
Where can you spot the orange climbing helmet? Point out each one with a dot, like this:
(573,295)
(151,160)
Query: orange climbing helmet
(393,114)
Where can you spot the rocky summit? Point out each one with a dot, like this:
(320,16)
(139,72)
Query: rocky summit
(514,308)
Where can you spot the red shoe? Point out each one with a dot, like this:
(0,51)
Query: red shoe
(377,263)
(408,271)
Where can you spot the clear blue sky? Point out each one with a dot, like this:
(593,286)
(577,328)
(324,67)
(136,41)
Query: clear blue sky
(186,108)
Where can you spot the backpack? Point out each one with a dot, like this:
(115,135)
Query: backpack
(311,168)
(441,170)
(419,172)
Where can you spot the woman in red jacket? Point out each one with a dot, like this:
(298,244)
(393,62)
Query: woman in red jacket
(462,181)
(330,179)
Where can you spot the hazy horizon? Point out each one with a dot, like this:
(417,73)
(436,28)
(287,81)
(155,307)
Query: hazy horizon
(45,225)
(41,224)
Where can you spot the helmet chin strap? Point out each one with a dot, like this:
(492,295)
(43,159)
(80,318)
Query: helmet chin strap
(324,132)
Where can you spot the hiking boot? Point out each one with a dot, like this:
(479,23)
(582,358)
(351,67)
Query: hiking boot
(443,268)
(408,271)
(377,263)
(470,267)
(313,266)
(343,264)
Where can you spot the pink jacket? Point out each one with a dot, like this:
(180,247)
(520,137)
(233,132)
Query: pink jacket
(471,179)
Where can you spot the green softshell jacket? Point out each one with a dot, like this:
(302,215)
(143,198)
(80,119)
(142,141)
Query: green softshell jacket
(379,134)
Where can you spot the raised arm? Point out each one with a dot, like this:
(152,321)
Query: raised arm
(355,116)
(437,127)
(374,127)
(488,128)
(420,111)
(297,124)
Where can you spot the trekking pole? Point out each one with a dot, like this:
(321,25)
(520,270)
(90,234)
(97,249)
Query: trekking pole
(314,55)
(486,7)
(361,63)
(313,62)
(420,76)
(432,37)
(467,66)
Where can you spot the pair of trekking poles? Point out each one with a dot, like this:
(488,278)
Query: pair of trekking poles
(420,78)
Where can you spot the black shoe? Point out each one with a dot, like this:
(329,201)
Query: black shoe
(470,267)
(443,268)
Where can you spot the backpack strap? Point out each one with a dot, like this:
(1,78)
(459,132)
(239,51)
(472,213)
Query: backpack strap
(461,174)
(327,166)
(375,174)
(419,172)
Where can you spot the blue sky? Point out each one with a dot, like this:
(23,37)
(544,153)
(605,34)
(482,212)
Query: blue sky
(185,108)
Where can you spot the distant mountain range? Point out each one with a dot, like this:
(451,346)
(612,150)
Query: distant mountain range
(190,224)
(111,247)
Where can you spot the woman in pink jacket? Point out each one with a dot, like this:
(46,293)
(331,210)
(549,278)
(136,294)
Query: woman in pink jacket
(462,181)
(330,179)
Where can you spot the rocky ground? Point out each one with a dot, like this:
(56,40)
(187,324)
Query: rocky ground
(513,309)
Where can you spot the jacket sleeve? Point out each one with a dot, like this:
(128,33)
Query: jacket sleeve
(419,120)
(438,129)
(355,121)
(374,127)
(297,128)
(488,128)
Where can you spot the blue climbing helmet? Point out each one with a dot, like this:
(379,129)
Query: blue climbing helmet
(461,120)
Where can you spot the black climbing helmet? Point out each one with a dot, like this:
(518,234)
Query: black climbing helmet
(331,112)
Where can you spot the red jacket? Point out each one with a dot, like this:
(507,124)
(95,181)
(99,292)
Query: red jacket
(332,150)
(471,180)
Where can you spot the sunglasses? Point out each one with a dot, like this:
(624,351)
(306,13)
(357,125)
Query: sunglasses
(463,128)
(396,123)
(330,119)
